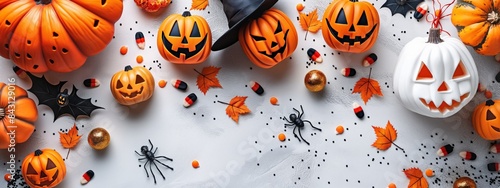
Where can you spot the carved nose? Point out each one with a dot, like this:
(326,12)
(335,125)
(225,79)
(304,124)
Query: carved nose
(273,44)
(42,174)
(352,28)
(184,40)
(129,87)
(443,87)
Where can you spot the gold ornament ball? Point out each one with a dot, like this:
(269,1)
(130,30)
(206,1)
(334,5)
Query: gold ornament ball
(464,182)
(98,138)
(315,80)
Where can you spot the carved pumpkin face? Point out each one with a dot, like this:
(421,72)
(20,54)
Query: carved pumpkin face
(133,85)
(43,168)
(486,120)
(350,26)
(184,39)
(435,79)
(269,39)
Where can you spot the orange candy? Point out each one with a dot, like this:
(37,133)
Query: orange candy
(162,83)
(139,59)
(282,137)
(123,50)
(195,164)
(429,172)
(300,7)
(340,129)
(274,101)
(392,185)
(488,94)
(7,177)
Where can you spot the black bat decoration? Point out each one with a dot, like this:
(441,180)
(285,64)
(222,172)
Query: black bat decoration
(60,101)
(401,6)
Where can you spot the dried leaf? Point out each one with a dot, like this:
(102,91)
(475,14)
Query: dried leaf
(69,139)
(208,78)
(367,87)
(236,107)
(310,22)
(416,177)
(199,4)
(385,137)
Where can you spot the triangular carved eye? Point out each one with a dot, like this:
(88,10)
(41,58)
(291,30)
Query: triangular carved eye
(119,84)
(31,170)
(460,71)
(363,20)
(341,19)
(196,31)
(139,79)
(50,164)
(424,73)
(490,116)
(175,32)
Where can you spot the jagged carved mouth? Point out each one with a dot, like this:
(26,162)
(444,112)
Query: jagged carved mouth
(46,182)
(133,94)
(187,54)
(443,107)
(495,128)
(347,38)
(279,51)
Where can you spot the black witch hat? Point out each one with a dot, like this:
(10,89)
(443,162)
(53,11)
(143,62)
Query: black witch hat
(238,12)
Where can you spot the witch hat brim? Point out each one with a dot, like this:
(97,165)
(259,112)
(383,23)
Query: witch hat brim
(231,36)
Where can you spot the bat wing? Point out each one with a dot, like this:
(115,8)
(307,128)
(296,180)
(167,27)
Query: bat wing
(401,6)
(77,106)
(45,91)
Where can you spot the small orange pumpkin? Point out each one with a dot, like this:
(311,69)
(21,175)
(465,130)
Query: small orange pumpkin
(57,35)
(152,5)
(269,39)
(478,24)
(184,39)
(350,26)
(43,168)
(18,114)
(132,85)
(486,120)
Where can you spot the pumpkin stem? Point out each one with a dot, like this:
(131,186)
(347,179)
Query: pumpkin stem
(2,113)
(490,102)
(43,2)
(186,14)
(38,152)
(493,17)
(435,36)
(128,68)
(354,1)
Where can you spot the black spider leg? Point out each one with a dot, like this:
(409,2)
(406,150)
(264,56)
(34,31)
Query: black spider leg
(300,134)
(162,157)
(312,125)
(151,145)
(139,154)
(147,175)
(287,120)
(158,170)
(295,134)
(151,170)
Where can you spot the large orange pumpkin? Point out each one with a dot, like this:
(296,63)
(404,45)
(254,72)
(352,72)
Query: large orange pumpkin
(18,114)
(486,120)
(43,168)
(478,24)
(184,39)
(57,35)
(350,26)
(269,39)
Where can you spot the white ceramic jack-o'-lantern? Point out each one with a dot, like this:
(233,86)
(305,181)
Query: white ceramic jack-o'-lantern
(435,77)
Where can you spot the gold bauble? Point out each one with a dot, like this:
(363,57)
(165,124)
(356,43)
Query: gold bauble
(464,182)
(315,80)
(98,138)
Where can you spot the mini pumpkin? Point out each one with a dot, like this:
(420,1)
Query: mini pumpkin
(18,114)
(152,5)
(269,39)
(435,77)
(43,168)
(184,39)
(132,85)
(57,35)
(350,26)
(478,25)
(486,119)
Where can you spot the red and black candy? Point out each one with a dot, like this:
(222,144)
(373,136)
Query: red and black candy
(179,84)
(139,39)
(358,110)
(87,177)
(256,87)
(493,167)
(467,155)
(445,150)
(91,83)
(348,72)
(190,100)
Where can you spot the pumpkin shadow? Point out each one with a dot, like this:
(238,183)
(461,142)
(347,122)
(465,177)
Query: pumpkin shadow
(137,110)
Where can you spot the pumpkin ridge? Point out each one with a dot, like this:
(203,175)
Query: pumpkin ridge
(480,45)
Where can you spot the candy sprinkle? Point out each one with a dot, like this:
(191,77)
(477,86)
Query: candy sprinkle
(273,101)
(162,83)
(195,164)
(339,129)
(429,172)
(300,7)
(87,177)
(139,59)
(282,137)
(123,50)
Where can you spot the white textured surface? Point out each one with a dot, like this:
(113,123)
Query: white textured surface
(246,154)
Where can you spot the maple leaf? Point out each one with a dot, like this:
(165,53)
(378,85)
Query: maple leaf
(310,22)
(367,87)
(199,4)
(208,78)
(385,137)
(416,177)
(236,107)
(69,139)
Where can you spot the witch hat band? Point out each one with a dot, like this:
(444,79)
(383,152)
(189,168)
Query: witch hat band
(238,12)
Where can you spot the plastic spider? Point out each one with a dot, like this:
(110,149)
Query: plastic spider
(296,120)
(149,155)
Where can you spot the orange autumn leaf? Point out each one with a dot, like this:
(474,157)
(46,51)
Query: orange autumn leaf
(69,139)
(207,78)
(236,107)
(416,177)
(310,22)
(199,4)
(367,87)
(385,137)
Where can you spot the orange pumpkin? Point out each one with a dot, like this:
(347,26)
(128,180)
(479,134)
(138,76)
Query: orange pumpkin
(486,120)
(43,168)
(132,85)
(18,114)
(477,22)
(269,39)
(152,5)
(184,39)
(350,26)
(57,35)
